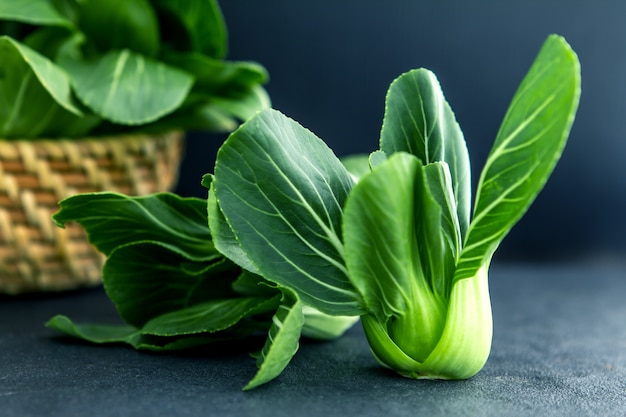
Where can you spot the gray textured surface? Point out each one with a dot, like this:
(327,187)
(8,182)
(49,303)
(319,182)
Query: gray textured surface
(559,349)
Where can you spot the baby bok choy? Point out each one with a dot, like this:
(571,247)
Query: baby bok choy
(401,247)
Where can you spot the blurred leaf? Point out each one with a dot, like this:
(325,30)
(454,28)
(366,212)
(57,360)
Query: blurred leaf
(47,40)
(120,24)
(36,12)
(127,88)
(357,165)
(218,77)
(33,92)
(193,25)
(243,107)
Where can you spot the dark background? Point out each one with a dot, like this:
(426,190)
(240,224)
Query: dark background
(331,61)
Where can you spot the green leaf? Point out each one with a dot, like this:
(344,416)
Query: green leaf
(217,77)
(439,181)
(418,120)
(35,12)
(282,341)
(196,113)
(94,333)
(147,279)
(210,316)
(128,88)
(194,25)
(124,334)
(528,145)
(227,88)
(396,246)
(243,106)
(120,24)
(357,165)
(253,285)
(281,190)
(223,237)
(113,219)
(48,40)
(377,158)
(27,77)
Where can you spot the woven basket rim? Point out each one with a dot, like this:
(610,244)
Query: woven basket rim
(35,256)
(104,136)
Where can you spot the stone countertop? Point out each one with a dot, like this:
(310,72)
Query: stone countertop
(559,349)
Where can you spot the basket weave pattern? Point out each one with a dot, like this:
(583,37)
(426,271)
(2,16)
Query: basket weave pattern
(35,255)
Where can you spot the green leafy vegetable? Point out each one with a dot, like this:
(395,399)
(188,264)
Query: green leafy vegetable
(293,242)
(309,180)
(148,89)
(37,12)
(203,24)
(109,218)
(175,290)
(147,65)
(120,24)
(29,77)
(399,247)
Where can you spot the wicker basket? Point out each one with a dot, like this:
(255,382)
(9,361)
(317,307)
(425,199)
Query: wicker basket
(37,256)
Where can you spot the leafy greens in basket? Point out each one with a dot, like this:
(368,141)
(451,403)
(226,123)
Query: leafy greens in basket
(394,240)
(74,68)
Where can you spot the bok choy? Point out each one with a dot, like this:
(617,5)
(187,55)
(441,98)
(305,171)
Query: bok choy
(300,242)
(401,247)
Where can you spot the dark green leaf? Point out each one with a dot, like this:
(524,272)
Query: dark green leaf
(113,219)
(210,316)
(35,12)
(48,40)
(243,106)
(58,118)
(282,341)
(193,25)
(147,279)
(526,150)
(120,24)
(281,190)
(27,77)
(223,237)
(196,113)
(217,77)
(253,285)
(124,334)
(127,88)
(94,333)
(418,120)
